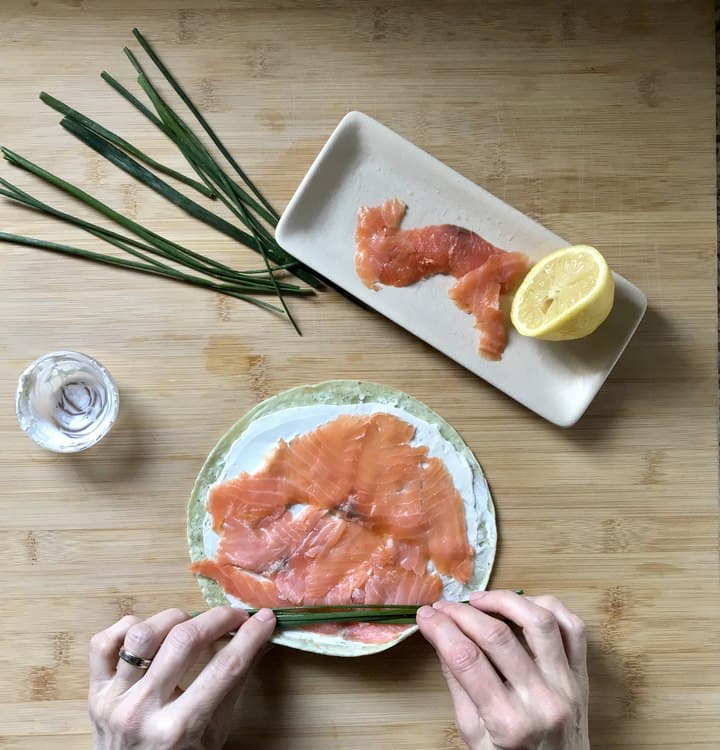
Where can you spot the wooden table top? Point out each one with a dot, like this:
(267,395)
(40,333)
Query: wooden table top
(597,119)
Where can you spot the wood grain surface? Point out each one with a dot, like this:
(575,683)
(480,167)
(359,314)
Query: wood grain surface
(595,118)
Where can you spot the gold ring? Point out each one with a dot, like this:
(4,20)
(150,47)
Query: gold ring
(135,661)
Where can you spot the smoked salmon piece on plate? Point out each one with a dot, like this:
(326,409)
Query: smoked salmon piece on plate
(341,493)
(478,293)
(389,255)
(399,257)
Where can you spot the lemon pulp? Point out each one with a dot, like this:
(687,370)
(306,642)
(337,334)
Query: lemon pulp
(566,295)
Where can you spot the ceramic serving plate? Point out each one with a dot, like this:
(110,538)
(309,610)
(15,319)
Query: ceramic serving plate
(365,163)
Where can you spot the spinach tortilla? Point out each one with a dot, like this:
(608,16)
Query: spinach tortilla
(479,509)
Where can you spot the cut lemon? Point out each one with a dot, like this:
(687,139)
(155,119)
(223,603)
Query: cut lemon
(566,295)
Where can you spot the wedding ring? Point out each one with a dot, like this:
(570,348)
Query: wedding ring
(136,661)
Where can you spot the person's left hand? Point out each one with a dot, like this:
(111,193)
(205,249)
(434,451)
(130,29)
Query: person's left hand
(146,710)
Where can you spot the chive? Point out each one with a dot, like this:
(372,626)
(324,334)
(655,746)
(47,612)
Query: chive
(188,142)
(14,193)
(198,116)
(135,266)
(205,165)
(132,99)
(128,243)
(135,169)
(153,252)
(104,209)
(386,614)
(261,245)
(115,139)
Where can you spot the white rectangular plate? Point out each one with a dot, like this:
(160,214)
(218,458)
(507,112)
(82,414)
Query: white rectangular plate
(365,163)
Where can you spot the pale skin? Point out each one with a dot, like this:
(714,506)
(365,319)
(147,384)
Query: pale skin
(133,709)
(508,693)
(504,697)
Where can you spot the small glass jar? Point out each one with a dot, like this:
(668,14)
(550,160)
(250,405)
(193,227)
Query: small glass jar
(66,401)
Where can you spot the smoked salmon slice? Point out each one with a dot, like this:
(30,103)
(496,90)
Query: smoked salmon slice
(412,557)
(399,257)
(251,498)
(350,512)
(262,547)
(478,293)
(257,590)
(386,254)
(401,587)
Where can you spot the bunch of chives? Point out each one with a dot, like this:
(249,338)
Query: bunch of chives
(380,614)
(385,614)
(243,199)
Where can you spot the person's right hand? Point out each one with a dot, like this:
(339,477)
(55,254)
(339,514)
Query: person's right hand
(505,698)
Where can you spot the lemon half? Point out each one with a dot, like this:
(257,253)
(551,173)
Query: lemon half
(566,295)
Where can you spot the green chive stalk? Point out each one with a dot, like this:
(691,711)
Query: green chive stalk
(153,253)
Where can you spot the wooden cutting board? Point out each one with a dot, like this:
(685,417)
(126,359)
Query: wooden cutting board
(598,120)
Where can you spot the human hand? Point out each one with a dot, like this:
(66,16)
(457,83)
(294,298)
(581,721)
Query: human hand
(505,698)
(145,709)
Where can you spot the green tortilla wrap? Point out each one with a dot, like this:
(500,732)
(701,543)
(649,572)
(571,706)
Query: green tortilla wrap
(479,510)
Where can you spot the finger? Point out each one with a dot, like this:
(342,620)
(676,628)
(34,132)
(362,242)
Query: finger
(572,629)
(227,706)
(104,647)
(144,639)
(539,626)
(226,669)
(222,717)
(468,721)
(185,643)
(497,641)
(463,658)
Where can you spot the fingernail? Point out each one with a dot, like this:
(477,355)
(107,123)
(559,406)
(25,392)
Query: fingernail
(265,615)
(441,604)
(478,594)
(425,612)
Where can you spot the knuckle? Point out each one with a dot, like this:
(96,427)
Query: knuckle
(176,613)
(552,601)
(547,601)
(184,636)
(577,626)
(445,669)
(94,711)
(128,620)
(462,656)
(510,729)
(523,734)
(498,635)
(468,728)
(168,732)
(544,620)
(140,638)
(557,716)
(234,662)
(101,644)
(125,721)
